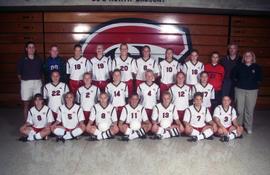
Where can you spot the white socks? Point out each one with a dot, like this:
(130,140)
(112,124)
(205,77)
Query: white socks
(205,134)
(103,135)
(31,135)
(59,132)
(232,135)
(173,132)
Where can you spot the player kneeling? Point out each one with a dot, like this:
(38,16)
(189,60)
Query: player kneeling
(226,119)
(134,122)
(103,120)
(164,114)
(198,120)
(38,121)
(70,120)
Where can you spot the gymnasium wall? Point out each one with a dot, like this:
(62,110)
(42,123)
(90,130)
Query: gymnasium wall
(207,32)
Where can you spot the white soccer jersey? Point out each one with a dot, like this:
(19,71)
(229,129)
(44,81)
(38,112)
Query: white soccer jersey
(54,94)
(180,96)
(76,68)
(164,116)
(70,117)
(118,94)
(39,118)
(208,93)
(142,65)
(192,71)
(127,67)
(100,114)
(197,118)
(100,68)
(225,117)
(149,94)
(130,114)
(168,71)
(87,97)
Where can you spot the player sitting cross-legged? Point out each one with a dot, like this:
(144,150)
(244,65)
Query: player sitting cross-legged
(198,120)
(103,120)
(38,121)
(226,118)
(134,122)
(70,120)
(164,116)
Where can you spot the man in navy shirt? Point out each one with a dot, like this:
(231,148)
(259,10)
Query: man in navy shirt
(29,71)
(54,62)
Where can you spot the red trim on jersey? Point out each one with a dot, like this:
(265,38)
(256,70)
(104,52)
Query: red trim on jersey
(37,129)
(198,129)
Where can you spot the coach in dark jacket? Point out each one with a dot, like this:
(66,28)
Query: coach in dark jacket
(29,71)
(247,77)
(54,62)
(229,62)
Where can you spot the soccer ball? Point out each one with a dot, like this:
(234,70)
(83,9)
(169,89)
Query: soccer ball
(165,123)
(135,125)
(103,126)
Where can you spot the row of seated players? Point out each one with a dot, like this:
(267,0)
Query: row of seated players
(133,122)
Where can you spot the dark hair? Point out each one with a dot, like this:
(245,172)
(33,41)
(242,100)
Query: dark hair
(116,70)
(226,96)
(103,93)
(123,44)
(168,50)
(198,94)
(146,46)
(38,95)
(203,72)
(87,73)
(134,94)
(28,43)
(194,50)
(55,71)
(77,46)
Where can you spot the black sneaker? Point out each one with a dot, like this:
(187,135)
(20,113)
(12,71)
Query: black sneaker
(157,137)
(224,139)
(143,136)
(210,138)
(23,139)
(193,139)
(124,138)
(92,138)
(60,139)
(240,137)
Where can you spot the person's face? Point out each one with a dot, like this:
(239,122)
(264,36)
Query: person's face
(149,77)
(30,49)
(69,99)
(55,77)
(54,52)
(77,52)
(226,101)
(99,50)
(215,58)
(166,99)
(146,52)
(198,101)
(180,79)
(233,50)
(103,98)
(38,102)
(169,54)
(87,79)
(134,100)
(117,76)
(248,58)
(124,50)
(194,56)
(204,78)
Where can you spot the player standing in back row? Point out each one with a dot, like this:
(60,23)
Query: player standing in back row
(76,67)
(100,67)
(192,68)
(168,70)
(126,65)
(145,63)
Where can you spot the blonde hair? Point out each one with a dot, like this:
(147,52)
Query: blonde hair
(252,54)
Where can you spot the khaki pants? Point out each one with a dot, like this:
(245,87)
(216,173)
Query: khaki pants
(245,104)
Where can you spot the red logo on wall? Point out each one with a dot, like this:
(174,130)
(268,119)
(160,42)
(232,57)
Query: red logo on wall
(136,33)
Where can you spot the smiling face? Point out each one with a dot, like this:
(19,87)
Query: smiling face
(233,50)
(198,101)
(124,50)
(169,54)
(87,79)
(54,52)
(55,77)
(149,77)
(30,49)
(194,56)
(38,102)
(77,52)
(248,58)
(180,79)
(226,101)
(99,49)
(146,53)
(116,77)
(69,99)
(204,78)
(214,58)
(166,99)
(134,101)
(103,99)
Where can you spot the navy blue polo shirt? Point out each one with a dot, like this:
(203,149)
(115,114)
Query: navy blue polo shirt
(30,69)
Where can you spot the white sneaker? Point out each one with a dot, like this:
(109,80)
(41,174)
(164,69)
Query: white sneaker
(249,131)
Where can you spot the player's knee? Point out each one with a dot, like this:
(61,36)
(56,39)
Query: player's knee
(154,128)
(114,129)
(188,130)
(220,131)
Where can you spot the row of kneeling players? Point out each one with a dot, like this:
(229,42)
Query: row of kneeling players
(133,122)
